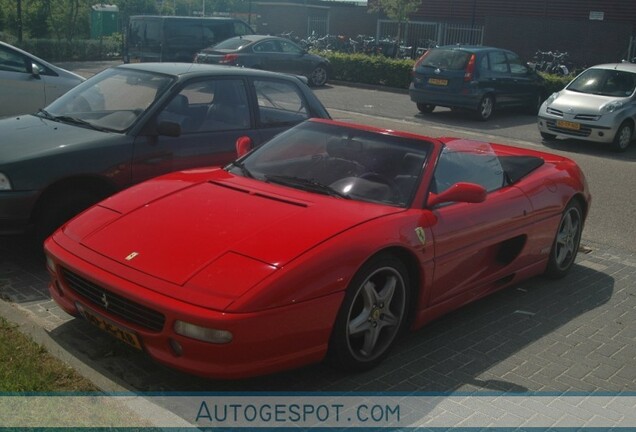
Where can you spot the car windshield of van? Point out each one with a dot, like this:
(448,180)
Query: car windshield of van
(112,100)
(605,82)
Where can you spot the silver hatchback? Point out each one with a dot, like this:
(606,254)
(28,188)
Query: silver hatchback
(598,105)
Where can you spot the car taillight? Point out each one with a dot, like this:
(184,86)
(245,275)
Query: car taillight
(229,58)
(470,69)
(420,60)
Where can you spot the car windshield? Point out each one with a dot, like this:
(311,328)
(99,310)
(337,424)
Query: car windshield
(605,82)
(341,161)
(112,100)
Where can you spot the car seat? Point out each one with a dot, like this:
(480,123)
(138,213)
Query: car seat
(228,110)
(177,111)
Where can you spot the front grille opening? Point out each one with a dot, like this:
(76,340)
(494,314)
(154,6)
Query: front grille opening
(114,304)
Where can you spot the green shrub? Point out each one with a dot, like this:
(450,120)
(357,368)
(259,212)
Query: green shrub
(366,69)
(380,70)
(55,50)
(554,83)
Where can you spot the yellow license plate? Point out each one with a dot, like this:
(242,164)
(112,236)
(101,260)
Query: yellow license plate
(135,60)
(109,327)
(568,125)
(437,81)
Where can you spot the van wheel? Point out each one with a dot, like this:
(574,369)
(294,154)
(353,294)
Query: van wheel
(425,108)
(486,107)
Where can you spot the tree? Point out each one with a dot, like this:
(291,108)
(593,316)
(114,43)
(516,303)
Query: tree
(36,18)
(398,10)
(70,18)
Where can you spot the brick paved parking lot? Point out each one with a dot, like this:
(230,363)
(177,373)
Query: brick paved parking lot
(576,334)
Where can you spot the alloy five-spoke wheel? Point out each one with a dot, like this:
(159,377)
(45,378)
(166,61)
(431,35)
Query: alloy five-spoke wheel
(566,242)
(372,315)
(486,107)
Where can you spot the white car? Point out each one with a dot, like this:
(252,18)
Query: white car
(598,105)
(28,83)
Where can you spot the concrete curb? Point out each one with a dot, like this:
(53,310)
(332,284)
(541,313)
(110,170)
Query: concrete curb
(106,383)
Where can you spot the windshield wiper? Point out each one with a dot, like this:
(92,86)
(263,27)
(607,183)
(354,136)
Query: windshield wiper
(240,165)
(80,122)
(306,184)
(46,114)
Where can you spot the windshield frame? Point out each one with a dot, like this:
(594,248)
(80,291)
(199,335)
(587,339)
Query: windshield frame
(342,161)
(87,105)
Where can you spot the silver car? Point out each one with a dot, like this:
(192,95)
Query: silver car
(598,105)
(28,83)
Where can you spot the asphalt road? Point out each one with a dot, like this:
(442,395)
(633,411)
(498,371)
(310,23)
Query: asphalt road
(611,176)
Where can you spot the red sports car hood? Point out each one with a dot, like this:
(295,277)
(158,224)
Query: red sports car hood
(178,234)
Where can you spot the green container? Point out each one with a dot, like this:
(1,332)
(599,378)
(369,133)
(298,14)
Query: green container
(104,20)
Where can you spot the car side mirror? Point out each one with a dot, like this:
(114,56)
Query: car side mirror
(243,146)
(35,70)
(459,192)
(168,128)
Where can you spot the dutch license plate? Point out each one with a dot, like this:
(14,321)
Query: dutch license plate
(109,327)
(438,81)
(568,125)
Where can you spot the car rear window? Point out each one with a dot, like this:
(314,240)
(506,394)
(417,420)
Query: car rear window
(447,59)
(233,43)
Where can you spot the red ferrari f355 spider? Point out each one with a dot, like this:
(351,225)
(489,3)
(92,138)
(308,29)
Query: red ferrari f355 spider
(325,243)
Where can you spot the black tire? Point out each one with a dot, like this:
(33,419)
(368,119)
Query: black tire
(566,241)
(318,77)
(548,136)
(535,105)
(370,320)
(425,108)
(59,208)
(486,108)
(623,137)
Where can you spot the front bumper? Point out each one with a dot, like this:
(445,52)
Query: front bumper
(263,342)
(598,131)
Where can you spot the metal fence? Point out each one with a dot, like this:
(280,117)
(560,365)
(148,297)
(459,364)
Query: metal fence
(426,34)
(318,24)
